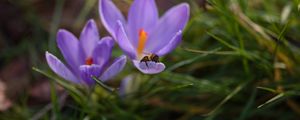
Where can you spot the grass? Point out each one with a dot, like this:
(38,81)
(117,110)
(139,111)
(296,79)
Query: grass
(239,59)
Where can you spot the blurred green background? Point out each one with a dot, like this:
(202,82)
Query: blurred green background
(239,59)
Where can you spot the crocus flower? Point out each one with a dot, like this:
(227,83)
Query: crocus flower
(128,86)
(89,56)
(144,34)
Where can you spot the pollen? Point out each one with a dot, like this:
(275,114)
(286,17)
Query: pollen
(89,61)
(141,43)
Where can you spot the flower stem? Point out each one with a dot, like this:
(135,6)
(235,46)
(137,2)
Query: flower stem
(109,89)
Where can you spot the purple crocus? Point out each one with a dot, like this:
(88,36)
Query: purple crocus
(144,34)
(89,56)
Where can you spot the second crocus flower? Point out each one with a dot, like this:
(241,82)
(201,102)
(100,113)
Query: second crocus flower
(144,37)
(89,56)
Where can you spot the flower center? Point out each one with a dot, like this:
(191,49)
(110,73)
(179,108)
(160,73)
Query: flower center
(89,61)
(141,43)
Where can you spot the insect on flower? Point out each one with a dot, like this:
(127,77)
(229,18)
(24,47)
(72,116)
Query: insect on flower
(89,56)
(144,32)
(152,57)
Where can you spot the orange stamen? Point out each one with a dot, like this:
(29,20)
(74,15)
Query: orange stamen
(89,61)
(141,43)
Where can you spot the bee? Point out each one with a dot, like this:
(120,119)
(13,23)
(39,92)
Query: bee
(154,58)
(151,57)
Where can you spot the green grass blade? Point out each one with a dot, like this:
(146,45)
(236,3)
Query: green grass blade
(277,97)
(76,94)
(227,98)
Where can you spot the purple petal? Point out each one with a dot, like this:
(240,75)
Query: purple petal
(60,69)
(143,14)
(174,20)
(123,41)
(69,47)
(149,67)
(88,38)
(87,71)
(171,45)
(126,84)
(114,69)
(102,52)
(109,14)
